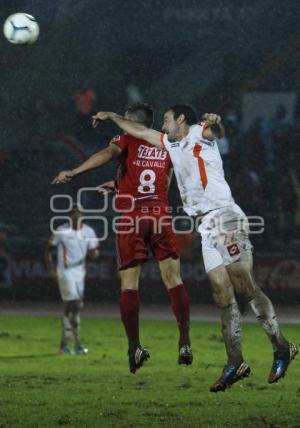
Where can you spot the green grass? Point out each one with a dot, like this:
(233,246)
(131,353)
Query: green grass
(41,389)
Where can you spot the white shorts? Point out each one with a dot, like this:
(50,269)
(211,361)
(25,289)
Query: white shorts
(225,236)
(71,283)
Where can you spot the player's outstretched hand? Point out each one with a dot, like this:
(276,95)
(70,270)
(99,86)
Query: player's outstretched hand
(211,118)
(108,186)
(63,177)
(100,116)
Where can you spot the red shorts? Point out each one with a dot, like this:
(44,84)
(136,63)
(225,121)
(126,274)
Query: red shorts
(138,230)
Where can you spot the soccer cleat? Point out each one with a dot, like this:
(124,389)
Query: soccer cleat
(80,350)
(281,363)
(229,376)
(137,358)
(185,355)
(64,349)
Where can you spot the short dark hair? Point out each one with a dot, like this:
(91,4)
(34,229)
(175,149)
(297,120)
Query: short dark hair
(188,112)
(143,112)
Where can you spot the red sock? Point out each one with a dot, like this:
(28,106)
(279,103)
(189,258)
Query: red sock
(181,307)
(129,309)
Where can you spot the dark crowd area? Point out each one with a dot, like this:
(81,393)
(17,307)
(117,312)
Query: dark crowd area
(261,166)
(104,55)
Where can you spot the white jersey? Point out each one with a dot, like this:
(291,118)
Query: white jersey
(198,168)
(73,245)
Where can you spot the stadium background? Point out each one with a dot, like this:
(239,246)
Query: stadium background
(236,58)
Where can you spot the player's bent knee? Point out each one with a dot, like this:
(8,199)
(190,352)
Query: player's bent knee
(170,272)
(169,279)
(259,295)
(223,299)
(74,305)
(71,306)
(223,294)
(242,279)
(130,278)
(221,286)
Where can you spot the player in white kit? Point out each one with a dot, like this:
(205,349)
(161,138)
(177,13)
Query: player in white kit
(74,242)
(224,228)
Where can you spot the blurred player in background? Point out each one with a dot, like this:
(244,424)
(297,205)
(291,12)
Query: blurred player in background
(224,228)
(143,180)
(73,242)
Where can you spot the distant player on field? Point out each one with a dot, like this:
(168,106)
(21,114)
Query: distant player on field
(144,173)
(227,251)
(73,243)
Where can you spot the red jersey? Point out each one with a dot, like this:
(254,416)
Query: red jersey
(143,173)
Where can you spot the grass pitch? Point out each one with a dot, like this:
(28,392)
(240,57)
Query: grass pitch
(42,389)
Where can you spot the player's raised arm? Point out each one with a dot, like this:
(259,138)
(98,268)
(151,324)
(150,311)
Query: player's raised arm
(133,128)
(95,161)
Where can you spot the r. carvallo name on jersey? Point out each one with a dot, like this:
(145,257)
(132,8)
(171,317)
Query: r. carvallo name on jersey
(149,164)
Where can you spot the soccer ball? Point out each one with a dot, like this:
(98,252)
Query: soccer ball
(21,28)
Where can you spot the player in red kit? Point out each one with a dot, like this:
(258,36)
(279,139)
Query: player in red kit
(145,221)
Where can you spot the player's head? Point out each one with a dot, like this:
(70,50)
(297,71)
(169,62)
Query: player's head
(176,117)
(75,215)
(141,113)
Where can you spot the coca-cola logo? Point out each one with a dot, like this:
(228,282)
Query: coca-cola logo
(286,274)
